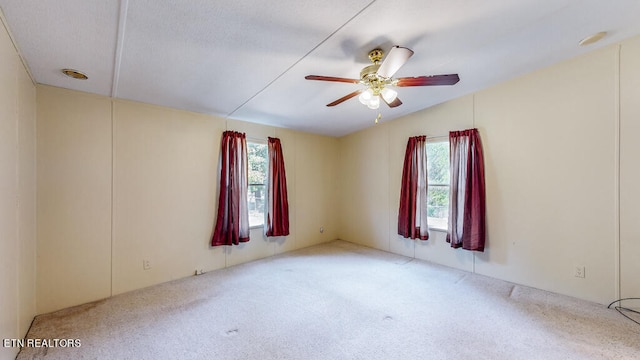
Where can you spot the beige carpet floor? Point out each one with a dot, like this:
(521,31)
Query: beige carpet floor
(338,301)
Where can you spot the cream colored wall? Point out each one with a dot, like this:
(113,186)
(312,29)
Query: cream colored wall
(551,153)
(154,195)
(74,198)
(17,196)
(630,171)
(162,194)
(26,199)
(316,182)
(550,142)
(364,187)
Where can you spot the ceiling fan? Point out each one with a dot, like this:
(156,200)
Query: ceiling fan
(378,80)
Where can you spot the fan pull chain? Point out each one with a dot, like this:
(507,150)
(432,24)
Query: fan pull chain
(378,117)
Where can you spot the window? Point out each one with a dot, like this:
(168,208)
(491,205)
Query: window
(438,184)
(258,163)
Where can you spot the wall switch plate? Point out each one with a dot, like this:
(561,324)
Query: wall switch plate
(579,272)
(146,264)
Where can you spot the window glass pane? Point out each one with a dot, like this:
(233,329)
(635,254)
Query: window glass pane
(258,165)
(438,184)
(438,206)
(438,162)
(256,201)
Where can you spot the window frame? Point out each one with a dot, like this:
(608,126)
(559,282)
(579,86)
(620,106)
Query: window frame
(431,140)
(253,141)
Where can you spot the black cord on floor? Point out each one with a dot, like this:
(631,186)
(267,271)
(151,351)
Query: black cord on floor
(620,309)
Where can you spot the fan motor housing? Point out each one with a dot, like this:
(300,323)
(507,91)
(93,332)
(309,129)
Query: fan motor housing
(376,55)
(369,72)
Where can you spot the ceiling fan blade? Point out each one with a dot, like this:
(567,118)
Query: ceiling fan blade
(331,78)
(345,98)
(448,79)
(394,103)
(394,61)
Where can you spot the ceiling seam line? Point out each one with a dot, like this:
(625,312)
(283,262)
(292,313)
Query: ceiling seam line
(23,59)
(122,22)
(302,58)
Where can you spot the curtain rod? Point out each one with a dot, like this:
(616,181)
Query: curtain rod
(437,137)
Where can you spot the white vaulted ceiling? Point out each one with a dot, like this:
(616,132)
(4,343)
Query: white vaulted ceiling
(247,59)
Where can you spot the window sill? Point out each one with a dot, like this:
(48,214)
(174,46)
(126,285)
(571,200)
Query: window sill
(256,227)
(437,229)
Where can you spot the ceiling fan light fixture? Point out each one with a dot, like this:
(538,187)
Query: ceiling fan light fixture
(388,94)
(374,103)
(370,99)
(376,77)
(366,96)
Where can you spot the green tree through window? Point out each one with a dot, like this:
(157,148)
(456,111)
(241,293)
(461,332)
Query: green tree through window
(438,184)
(258,164)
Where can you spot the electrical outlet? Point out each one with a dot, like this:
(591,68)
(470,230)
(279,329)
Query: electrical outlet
(146,264)
(579,272)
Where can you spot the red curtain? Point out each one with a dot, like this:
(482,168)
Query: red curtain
(412,214)
(277,223)
(467,200)
(232,222)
